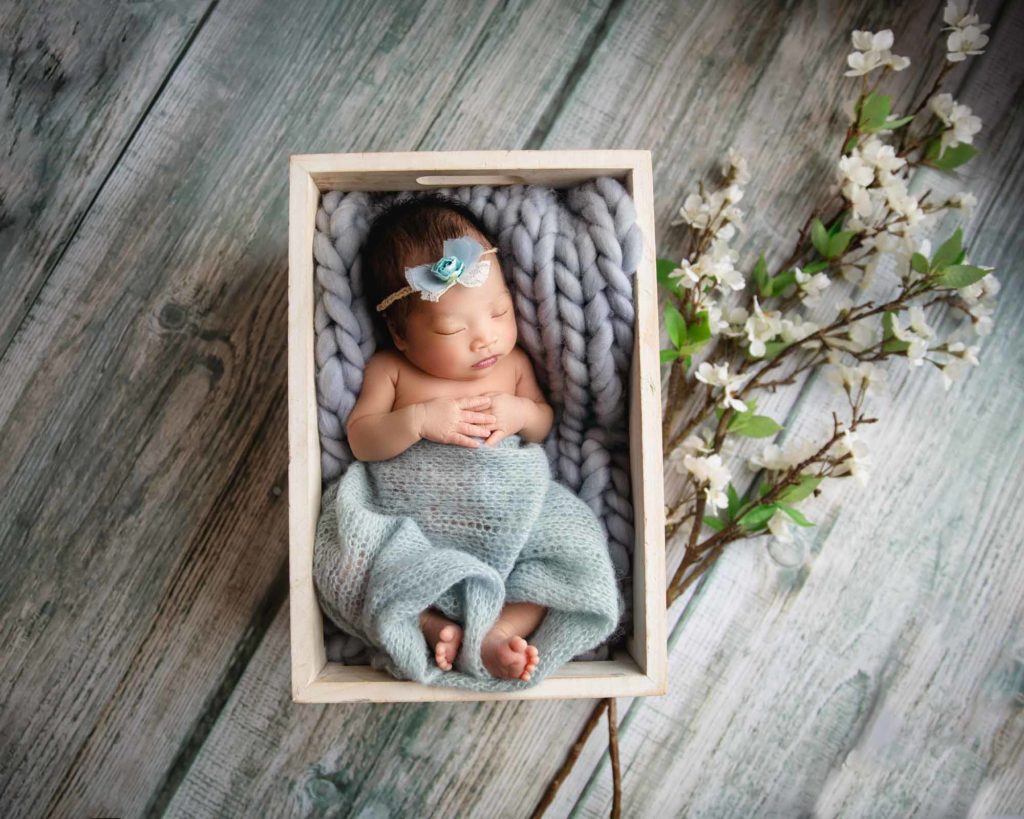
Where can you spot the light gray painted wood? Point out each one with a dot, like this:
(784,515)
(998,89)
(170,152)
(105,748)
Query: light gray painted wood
(143,451)
(343,776)
(152,600)
(79,78)
(883,678)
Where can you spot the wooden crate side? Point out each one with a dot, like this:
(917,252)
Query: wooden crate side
(576,680)
(404,170)
(645,669)
(649,607)
(306,623)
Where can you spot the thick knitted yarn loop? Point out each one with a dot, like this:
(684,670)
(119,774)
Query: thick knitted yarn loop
(570,256)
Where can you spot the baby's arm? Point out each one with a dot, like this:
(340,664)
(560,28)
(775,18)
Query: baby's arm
(380,434)
(539,416)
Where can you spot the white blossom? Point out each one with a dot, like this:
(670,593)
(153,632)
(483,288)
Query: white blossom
(963,357)
(853,379)
(917,335)
(771,458)
(980,300)
(797,329)
(692,445)
(964,41)
(873,52)
(685,271)
(811,286)
(710,469)
(858,463)
(880,155)
(735,168)
(776,459)
(955,15)
(762,326)
(717,375)
(964,200)
(961,124)
(855,169)
(693,212)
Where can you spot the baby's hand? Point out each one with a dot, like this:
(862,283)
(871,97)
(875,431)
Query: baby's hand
(453,420)
(509,412)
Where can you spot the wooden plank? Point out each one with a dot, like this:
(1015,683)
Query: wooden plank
(903,626)
(348,765)
(81,76)
(142,445)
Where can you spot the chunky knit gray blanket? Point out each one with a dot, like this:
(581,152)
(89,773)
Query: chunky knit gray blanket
(571,255)
(465,531)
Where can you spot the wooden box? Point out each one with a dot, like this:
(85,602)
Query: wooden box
(639,671)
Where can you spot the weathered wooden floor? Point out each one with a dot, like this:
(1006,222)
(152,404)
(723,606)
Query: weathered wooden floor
(143,451)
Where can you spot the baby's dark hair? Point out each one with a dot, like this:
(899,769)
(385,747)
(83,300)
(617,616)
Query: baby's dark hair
(398,230)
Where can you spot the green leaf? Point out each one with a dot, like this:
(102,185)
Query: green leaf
(814,267)
(874,111)
(714,523)
(734,500)
(764,489)
(895,346)
(807,485)
(758,516)
(960,275)
(782,281)
(761,277)
(919,263)
(837,244)
(754,426)
(701,331)
(669,355)
(851,143)
(819,237)
(837,224)
(773,348)
(947,252)
(893,124)
(887,332)
(952,157)
(795,514)
(664,267)
(675,324)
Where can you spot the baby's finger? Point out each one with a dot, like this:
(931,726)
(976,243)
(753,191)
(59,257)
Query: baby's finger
(474,401)
(470,429)
(478,417)
(463,440)
(495,436)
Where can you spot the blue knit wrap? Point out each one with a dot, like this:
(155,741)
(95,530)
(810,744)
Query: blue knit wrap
(464,530)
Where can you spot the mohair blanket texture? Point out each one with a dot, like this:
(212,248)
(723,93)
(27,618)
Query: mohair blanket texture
(466,531)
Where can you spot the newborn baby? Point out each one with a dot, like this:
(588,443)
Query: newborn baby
(454,376)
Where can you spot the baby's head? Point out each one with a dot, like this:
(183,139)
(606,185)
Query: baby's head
(467,324)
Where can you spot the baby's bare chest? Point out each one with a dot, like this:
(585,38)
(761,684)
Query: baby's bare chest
(415,386)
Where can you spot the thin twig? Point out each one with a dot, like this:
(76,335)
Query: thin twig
(613,750)
(570,760)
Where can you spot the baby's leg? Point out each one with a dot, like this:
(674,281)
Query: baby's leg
(505,652)
(443,635)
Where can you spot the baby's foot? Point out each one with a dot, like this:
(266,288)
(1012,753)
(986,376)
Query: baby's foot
(506,654)
(444,635)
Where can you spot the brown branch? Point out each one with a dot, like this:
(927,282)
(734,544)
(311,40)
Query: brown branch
(570,759)
(613,751)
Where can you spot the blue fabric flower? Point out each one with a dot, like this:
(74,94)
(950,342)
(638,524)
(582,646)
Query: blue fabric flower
(458,265)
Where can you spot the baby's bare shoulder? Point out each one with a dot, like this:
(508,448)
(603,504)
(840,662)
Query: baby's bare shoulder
(383,363)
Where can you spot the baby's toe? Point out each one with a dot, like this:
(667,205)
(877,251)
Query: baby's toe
(518,644)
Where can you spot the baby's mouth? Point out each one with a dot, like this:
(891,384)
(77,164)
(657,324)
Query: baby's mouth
(486,362)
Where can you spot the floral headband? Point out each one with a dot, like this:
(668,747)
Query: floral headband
(461,264)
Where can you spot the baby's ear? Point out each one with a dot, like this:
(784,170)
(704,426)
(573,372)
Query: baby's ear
(396,337)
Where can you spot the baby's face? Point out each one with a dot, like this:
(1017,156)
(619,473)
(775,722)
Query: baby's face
(467,325)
